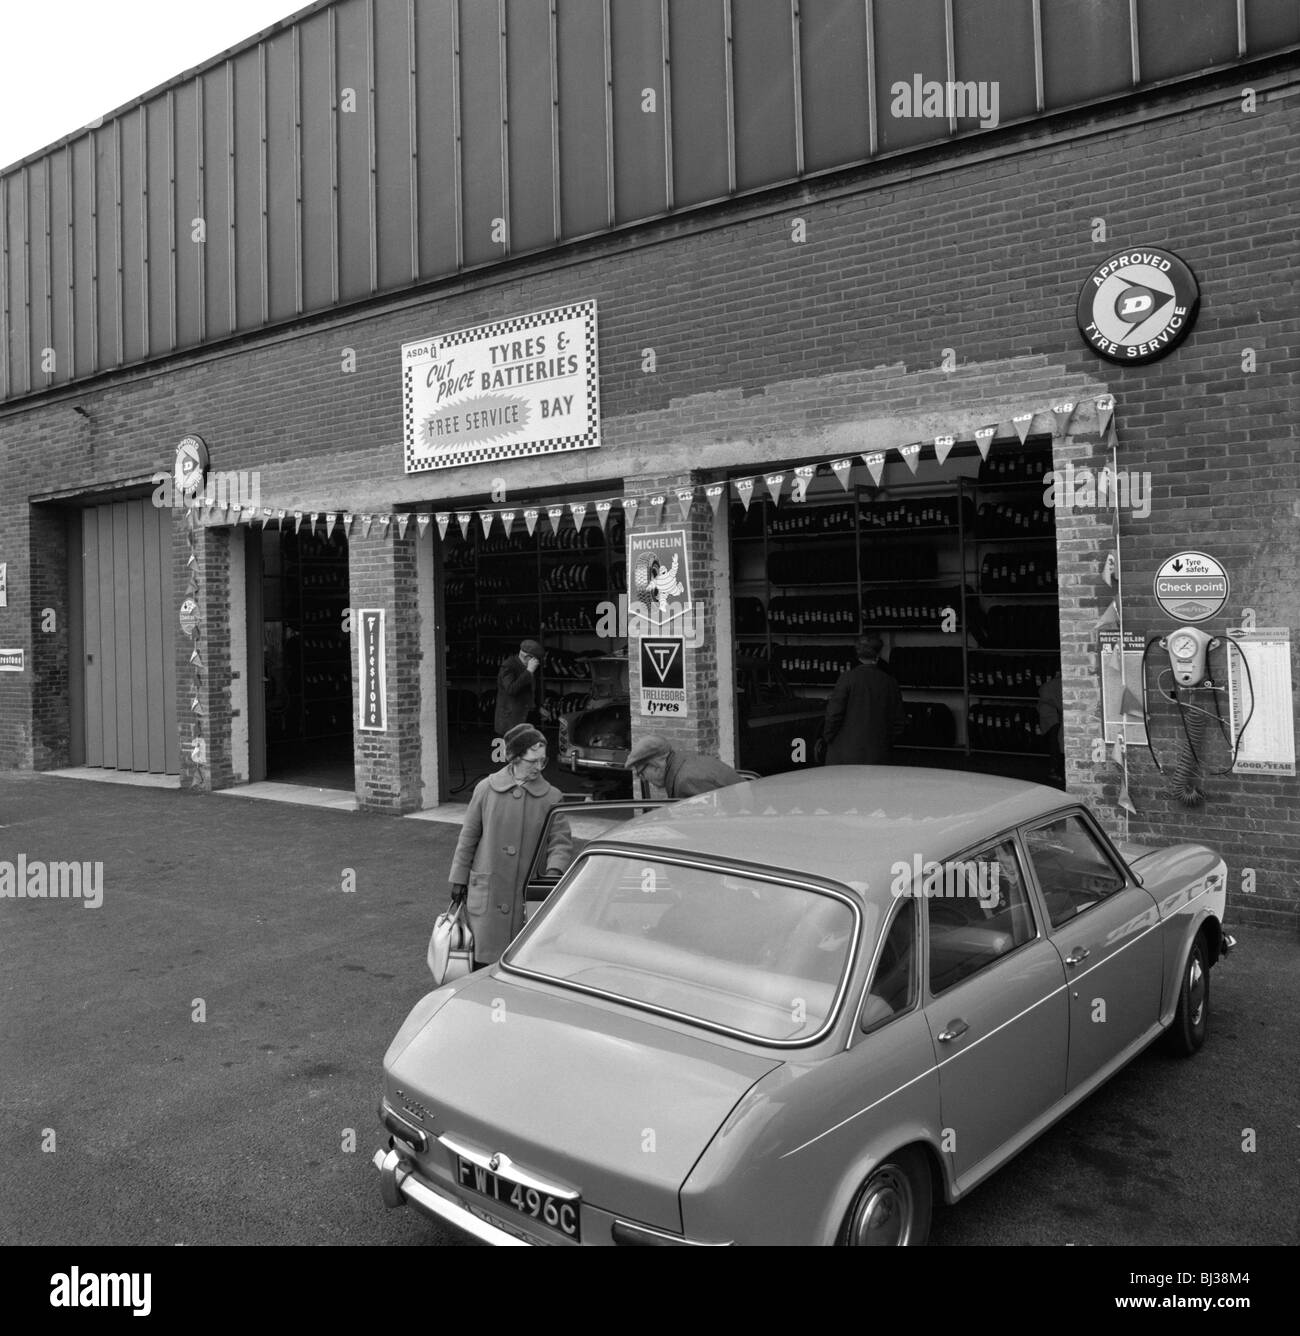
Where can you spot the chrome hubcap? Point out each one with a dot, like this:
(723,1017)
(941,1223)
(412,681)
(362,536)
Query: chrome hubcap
(1196,990)
(884,1216)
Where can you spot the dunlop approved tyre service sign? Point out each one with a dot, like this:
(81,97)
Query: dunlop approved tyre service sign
(1138,306)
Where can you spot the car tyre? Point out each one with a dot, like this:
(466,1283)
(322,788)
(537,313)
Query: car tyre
(893,1207)
(1192,1015)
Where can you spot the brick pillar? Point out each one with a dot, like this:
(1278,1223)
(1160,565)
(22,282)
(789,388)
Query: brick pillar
(206,579)
(699,731)
(383,573)
(50,633)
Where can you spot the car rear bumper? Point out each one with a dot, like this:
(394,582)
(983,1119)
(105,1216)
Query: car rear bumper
(401,1185)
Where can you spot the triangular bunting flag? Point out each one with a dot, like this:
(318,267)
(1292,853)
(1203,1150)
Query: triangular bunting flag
(775,481)
(1124,800)
(1063,412)
(189,518)
(1110,570)
(192,559)
(422,524)
(802,477)
(911,455)
(315,515)
(267,515)
(984,439)
(196,658)
(196,706)
(685,498)
(297,520)
(443,518)
(578,509)
(841,468)
(281,515)
(876,464)
(555,514)
(485,518)
(1108,618)
(1022,422)
(602,513)
(508,521)
(1130,703)
(714,493)
(347,524)
(367,521)
(1112,436)
(403,520)
(942,446)
(530,520)
(1117,749)
(745,490)
(384,522)
(1105,407)
(630,504)
(247,515)
(330,520)
(657,508)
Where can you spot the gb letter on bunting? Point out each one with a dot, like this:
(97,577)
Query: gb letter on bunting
(942,445)
(530,519)
(875,463)
(1063,412)
(775,481)
(984,438)
(1105,407)
(657,508)
(714,492)
(685,496)
(485,518)
(629,510)
(911,455)
(555,514)
(745,490)
(403,519)
(841,469)
(578,509)
(1022,422)
(602,513)
(442,519)
(802,477)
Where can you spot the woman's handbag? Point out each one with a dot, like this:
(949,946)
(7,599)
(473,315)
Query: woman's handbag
(451,945)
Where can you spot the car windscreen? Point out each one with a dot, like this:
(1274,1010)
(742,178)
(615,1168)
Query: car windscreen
(754,956)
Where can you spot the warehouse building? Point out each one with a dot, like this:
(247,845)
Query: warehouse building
(691,338)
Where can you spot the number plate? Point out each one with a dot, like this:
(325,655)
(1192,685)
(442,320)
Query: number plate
(557,1213)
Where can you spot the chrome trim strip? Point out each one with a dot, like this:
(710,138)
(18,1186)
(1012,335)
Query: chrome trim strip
(897,1090)
(402,1186)
(1011,1020)
(508,1169)
(662,1236)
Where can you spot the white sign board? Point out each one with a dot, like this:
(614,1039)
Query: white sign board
(1118,673)
(1263,681)
(516,389)
(1191,587)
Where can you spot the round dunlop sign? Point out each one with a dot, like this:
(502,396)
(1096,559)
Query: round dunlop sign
(1191,587)
(1138,306)
(189,617)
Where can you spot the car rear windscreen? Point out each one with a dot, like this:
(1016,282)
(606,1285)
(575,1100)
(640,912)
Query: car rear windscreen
(757,957)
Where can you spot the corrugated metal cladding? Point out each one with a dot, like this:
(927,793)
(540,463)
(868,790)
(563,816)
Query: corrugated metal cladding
(371,144)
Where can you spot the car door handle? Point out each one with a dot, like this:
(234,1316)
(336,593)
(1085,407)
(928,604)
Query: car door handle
(1078,956)
(955,1030)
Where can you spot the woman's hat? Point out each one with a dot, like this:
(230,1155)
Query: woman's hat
(522,738)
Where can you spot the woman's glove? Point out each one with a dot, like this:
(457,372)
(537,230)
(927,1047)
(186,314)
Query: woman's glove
(459,890)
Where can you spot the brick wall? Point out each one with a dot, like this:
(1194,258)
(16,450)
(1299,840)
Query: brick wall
(771,348)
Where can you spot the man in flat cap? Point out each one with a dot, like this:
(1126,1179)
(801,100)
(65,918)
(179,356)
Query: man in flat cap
(519,688)
(680,774)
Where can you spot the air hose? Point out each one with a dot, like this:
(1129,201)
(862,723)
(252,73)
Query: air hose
(1186,787)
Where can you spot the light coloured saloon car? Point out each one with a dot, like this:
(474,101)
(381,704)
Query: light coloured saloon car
(794,1011)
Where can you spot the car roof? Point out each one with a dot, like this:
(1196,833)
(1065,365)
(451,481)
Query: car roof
(848,824)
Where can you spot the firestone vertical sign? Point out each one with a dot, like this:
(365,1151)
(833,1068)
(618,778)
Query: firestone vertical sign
(370,671)
(515,389)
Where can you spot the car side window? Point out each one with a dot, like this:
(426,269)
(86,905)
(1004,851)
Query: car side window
(894,985)
(1071,867)
(978,911)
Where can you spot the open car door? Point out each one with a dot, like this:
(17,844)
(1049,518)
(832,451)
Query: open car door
(587,821)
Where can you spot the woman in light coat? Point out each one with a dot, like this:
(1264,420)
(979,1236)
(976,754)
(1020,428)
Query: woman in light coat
(499,839)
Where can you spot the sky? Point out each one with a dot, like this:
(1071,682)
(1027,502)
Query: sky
(67,62)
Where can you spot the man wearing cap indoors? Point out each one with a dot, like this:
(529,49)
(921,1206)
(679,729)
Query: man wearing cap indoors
(519,688)
(679,774)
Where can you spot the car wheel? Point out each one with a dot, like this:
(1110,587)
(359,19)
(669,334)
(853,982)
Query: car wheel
(1192,1016)
(892,1208)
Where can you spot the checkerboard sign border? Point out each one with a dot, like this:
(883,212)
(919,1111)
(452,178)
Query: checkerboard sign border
(415,462)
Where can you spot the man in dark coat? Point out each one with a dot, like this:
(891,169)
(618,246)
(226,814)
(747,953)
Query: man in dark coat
(865,712)
(519,688)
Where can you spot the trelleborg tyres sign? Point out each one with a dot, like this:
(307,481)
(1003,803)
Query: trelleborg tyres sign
(515,389)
